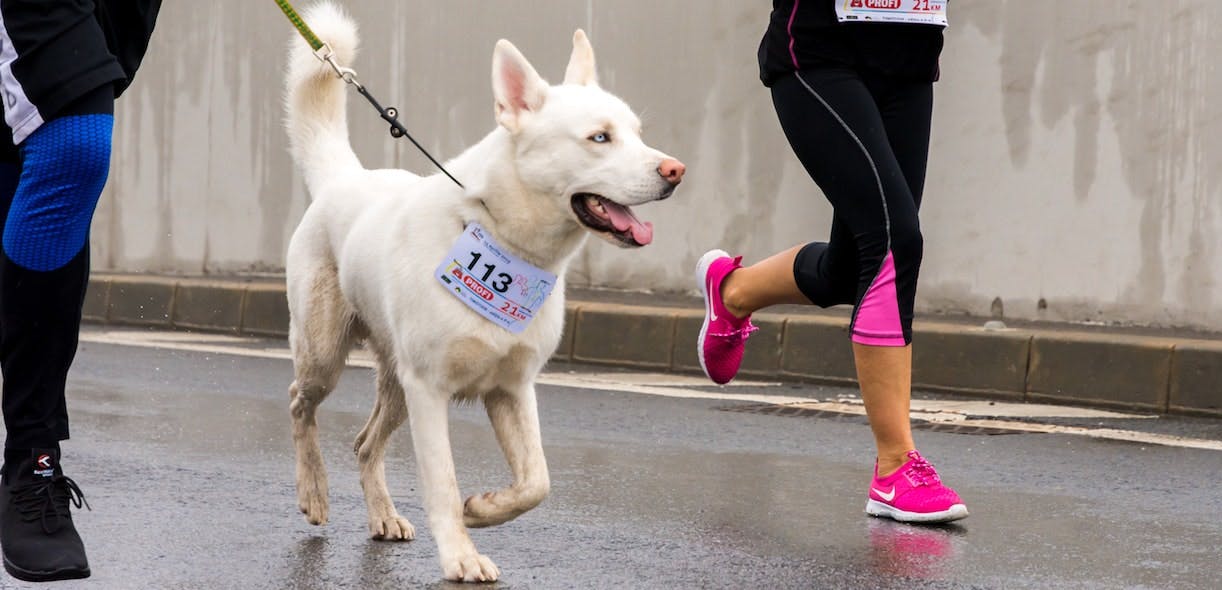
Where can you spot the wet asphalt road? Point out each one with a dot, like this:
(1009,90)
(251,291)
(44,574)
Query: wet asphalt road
(187,461)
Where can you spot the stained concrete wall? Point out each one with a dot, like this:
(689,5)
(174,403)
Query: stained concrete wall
(1074,175)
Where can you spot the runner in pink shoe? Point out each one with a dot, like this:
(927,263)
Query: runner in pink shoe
(723,335)
(852,85)
(914,493)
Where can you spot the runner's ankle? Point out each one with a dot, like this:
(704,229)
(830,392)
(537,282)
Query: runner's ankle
(731,297)
(889,463)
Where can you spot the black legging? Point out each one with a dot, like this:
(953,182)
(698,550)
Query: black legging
(43,277)
(864,139)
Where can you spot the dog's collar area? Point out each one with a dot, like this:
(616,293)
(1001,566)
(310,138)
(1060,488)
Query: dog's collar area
(487,209)
(465,220)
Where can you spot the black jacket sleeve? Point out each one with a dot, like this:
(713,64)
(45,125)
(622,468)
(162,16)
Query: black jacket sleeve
(128,25)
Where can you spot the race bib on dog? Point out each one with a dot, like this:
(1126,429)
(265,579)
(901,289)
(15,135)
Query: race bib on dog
(497,285)
(921,12)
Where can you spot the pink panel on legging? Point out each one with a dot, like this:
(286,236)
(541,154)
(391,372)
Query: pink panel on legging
(789,29)
(878,316)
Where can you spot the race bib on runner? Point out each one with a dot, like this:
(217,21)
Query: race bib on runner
(922,12)
(497,285)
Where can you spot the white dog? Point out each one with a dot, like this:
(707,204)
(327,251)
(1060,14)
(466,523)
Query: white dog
(395,260)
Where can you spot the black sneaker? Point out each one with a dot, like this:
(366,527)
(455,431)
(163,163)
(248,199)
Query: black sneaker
(40,543)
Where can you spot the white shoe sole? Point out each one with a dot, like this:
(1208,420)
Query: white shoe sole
(876,508)
(702,271)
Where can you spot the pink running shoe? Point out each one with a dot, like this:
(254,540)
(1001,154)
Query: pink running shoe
(914,493)
(722,336)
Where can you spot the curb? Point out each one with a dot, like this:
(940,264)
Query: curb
(1160,372)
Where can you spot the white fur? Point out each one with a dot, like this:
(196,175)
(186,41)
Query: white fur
(360,267)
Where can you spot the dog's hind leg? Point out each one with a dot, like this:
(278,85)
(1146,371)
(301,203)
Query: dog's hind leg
(428,414)
(306,393)
(515,418)
(321,334)
(389,412)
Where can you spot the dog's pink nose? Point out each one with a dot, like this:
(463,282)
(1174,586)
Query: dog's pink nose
(672,170)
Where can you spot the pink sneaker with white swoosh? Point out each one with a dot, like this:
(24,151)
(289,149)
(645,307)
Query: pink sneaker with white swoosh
(914,493)
(723,336)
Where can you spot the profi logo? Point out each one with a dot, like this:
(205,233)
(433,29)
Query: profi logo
(477,288)
(44,461)
(882,4)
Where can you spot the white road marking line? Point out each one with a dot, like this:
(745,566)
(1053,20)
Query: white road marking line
(1000,409)
(671,379)
(165,340)
(962,413)
(578,380)
(1101,433)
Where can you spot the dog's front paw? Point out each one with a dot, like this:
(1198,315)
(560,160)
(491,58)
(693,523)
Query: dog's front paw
(313,504)
(484,511)
(394,528)
(493,508)
(470,567)
(312,490)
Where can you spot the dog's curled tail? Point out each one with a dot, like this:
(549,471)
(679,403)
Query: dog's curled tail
(316,99)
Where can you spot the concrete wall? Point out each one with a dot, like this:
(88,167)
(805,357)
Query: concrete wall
(1075,169)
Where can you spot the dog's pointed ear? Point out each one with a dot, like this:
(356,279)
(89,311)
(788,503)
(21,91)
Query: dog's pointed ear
(516,86)
(581,69)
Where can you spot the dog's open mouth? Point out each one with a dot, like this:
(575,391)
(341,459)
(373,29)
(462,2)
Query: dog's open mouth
(603,215)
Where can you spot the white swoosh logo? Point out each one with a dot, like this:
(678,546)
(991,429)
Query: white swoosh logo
(712,314)
(888,496)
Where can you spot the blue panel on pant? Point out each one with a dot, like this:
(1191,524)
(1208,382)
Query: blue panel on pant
(64,168)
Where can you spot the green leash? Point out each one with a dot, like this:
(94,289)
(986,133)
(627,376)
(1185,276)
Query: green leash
(304,29)
(325,54)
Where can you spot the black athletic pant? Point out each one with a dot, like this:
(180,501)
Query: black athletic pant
(65,62)
(40,310)
(864,139)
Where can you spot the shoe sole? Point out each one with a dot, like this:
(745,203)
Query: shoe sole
(876,508)
(702,271)
(51,576)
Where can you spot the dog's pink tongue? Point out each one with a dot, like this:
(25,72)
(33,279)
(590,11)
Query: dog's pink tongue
(623,220)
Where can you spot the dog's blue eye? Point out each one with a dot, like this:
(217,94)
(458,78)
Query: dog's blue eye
(600,138)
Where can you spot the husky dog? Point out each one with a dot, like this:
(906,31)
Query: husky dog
(563,162)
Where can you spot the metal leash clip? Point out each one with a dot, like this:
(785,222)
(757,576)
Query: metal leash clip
(327,55)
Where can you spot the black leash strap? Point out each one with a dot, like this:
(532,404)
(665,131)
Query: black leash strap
(397,130)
